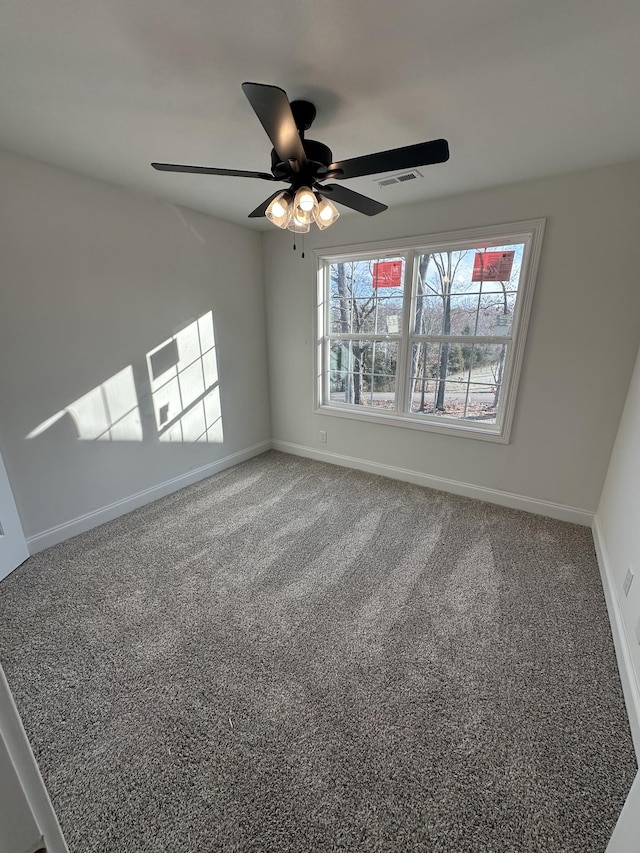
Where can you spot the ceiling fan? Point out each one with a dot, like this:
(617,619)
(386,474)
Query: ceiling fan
(306,164)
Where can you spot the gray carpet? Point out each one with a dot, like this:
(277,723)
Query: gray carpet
(291,656)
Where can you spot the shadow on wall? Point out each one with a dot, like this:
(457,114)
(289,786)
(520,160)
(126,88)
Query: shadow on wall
(182,381)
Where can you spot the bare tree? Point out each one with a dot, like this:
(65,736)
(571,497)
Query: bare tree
(353,313)
(420,353)
(446,264)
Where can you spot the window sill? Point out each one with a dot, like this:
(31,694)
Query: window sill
(425,423)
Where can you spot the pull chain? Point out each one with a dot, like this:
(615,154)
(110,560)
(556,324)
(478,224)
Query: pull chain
(294,245)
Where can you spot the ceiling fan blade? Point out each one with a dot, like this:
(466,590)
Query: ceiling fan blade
(209,170)
(361,203)
(422,154)
(271,105)
(261,210)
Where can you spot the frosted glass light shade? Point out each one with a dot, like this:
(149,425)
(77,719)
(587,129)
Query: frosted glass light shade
(299,224)
(326,214)
(280,210)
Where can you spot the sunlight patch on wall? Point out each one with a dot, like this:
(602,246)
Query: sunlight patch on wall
(109,412)
(183,374)
(185,395)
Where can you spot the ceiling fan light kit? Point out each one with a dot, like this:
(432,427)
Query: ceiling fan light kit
(327,214)
(305,164)
(298,213)
(280,209)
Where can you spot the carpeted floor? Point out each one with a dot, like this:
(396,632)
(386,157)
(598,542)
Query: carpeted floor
(292,656)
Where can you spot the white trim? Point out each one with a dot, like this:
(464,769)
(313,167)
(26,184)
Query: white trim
(27,771)
(463,237)
(562,512)
(467,429)
(82,523)
(13,545)
(621,640)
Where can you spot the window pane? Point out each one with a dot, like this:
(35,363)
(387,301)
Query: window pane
(450,399)
(496,313)
(433,368)
(446,273)
(493,267)
(468,387)
(451,289)
(363,373)
(446,315)
(380,315)
(429,316)
(366,296)
(488,372)
(481,403)
(462,319)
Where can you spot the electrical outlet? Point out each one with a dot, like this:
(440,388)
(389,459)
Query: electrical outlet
(323,436)
(628,579)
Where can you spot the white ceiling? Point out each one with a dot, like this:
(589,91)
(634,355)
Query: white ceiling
(520,88)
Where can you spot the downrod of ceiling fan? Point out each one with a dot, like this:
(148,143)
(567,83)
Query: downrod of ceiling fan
(304,113)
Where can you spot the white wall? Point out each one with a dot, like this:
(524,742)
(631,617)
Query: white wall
(583,336)
(617,533)
(92,278)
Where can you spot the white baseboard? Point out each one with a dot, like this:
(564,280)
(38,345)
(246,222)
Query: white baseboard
(58,534)
(468,490)
(621,640)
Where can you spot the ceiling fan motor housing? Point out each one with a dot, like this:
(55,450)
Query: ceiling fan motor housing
(319,158)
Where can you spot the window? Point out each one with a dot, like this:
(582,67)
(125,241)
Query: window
(427,333)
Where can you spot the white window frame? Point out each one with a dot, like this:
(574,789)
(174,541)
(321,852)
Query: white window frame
(529,232)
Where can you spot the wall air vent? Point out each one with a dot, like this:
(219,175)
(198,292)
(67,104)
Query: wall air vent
(399,179)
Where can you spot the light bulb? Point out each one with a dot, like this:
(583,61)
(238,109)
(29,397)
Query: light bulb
(327,214)
(280,209)
(305,200)
(305,205)
(299,224)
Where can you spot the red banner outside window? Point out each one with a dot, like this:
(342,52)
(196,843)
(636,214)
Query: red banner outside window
(492,266)
(387,274)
